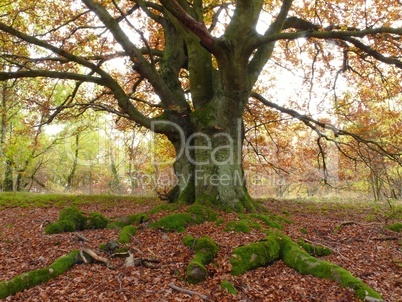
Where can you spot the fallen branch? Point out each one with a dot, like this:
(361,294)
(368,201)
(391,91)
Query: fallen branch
(187,291)
(84,259)
(98,258)
(44,223)
(81,237)
(149,263)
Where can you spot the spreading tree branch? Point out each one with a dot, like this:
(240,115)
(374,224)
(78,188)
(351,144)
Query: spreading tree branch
(197,27)
(318,125)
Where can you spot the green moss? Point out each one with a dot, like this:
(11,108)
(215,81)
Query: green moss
(74,215)
(60,226)
(201,213)
(241,226)
(196,214)
(205,251)
(167,207)
(71,219)
(95,221)
(186,196)
(39,276)
(303,231)
(396,227)
(269,220)
(314,250)
(189,241)
(246,204)
(128,220)
(174,222)
(226,285)
(301,261)
(220,221)
(126,233)
(254,255)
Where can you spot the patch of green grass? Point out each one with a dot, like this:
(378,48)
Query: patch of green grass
(395,227)
(26,200)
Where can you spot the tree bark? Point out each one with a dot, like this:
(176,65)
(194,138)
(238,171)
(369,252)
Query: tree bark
(208,162)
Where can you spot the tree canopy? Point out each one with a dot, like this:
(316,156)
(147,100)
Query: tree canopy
(200,71)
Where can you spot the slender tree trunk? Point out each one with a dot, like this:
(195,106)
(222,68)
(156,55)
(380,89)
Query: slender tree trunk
(70,177)
(8,184)
(115,183)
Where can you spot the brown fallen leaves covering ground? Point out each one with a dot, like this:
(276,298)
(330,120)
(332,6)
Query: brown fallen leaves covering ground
(366,249)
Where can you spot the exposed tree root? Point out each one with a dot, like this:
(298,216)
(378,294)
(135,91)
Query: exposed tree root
(205,251)
(39,276)
(96,257)
(279,246)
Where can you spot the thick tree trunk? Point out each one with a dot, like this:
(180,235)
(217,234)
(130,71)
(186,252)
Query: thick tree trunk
(219,176)
(209,167)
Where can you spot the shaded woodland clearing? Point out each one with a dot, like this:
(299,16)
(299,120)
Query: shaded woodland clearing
(364,247)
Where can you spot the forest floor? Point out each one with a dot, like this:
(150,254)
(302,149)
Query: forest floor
(360,244)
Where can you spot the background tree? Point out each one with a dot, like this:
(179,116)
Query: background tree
(200,63)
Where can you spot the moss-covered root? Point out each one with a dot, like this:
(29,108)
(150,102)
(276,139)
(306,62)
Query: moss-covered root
(301,261)
(39,276)
(226,285)
(196,214)
(126,233)
(205,251)
(255,255)
(71,219)
(314,250)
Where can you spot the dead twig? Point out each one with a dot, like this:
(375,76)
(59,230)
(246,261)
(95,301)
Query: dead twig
(187,291)
(81,237)
(83,257)
(44,223)
(98,258)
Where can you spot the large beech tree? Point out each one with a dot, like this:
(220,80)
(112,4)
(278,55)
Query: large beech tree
(189,69)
